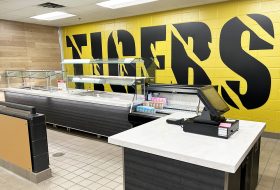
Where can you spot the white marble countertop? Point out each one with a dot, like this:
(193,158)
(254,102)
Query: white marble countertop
(117,99)
(170,141)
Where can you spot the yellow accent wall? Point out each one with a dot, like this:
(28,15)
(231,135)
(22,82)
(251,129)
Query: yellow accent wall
(215,16)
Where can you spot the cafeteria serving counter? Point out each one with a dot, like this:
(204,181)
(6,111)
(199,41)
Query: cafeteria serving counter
(101,113)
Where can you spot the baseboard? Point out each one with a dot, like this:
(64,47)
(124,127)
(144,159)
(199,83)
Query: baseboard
(33,177)
(271,135)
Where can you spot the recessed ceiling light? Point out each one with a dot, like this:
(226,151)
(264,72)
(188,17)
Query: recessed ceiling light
(53,16)
(116,4)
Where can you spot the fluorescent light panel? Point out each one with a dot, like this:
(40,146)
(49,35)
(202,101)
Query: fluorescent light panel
(116,4)
(53,16)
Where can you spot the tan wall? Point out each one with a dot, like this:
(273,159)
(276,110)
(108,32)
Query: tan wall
(28,46)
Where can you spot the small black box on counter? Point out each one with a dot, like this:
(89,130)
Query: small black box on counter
(223,130)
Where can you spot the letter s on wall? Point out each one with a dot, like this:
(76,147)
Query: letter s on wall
(253,71)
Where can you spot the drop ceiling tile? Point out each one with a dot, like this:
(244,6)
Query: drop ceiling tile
(87,10)
(75,3)
(16,4)
(29,11)
(10,16)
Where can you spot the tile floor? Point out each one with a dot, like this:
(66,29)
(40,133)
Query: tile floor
(87,163)
(92,164)
(269,172)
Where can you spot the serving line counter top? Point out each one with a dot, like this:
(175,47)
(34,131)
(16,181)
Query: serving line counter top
(107,98)
(169,141)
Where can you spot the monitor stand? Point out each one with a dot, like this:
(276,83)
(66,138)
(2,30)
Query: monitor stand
(207,118)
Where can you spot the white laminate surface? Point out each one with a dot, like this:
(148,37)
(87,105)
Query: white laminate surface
(117,99)
(2,97)
(170,141)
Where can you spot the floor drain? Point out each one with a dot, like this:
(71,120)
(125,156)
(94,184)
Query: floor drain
(58,154)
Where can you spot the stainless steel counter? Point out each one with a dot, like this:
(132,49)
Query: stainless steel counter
(98,97)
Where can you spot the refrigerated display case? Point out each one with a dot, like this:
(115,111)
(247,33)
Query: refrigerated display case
(164,100)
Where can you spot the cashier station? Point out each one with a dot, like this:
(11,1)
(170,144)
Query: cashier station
(210,107)
(184,98)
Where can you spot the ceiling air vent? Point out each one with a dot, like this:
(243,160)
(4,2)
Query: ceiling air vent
(50,5)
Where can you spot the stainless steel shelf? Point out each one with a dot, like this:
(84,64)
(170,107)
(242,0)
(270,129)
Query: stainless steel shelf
(103,61)
(114,80)
(36,74)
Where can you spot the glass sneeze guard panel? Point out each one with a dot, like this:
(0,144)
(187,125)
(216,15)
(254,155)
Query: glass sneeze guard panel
(131,75)
(119,79)
(32,79)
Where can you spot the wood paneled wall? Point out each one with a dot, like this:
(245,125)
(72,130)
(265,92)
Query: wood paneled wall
(28,46)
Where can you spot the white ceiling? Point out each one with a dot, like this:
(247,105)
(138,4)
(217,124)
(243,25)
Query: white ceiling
(86,10)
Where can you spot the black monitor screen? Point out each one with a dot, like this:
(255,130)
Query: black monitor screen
(212,100)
